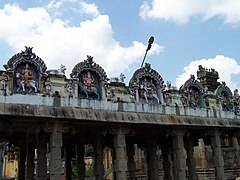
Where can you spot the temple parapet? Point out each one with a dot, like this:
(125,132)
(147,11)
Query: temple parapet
(70,105)
(25,73)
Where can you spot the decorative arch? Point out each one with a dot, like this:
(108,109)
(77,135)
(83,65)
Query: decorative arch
(223,90)
(147,85)
(224,95)
(27,69)
(192,93)
(26,56)
(90,78)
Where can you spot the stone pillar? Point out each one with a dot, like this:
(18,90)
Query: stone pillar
(30,151)
(167,161)
(41,155)
(1,160)
(153,166)
(131,163)
(235,143)
(190,159)
(80,160)
(98,153)
(120,162)
(55,168)
(144,161)
(22,158)
(68,159)
(179,151)
(202,153)
(217,155)
(236,147)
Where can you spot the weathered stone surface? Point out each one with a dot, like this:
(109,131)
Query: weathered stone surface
(36,111)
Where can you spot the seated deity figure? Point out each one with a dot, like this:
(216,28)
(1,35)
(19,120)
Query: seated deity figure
(88,81)
(25,79)
(26,74)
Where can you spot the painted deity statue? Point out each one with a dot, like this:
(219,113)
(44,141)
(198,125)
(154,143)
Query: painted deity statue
(193,98)
(26,74)
(148,91)
(3,81)
(88,81)
(87,86)
(226,102)
(47,85)
(26,79)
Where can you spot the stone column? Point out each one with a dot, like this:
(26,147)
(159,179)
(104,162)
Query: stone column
(144,161)
(30,151)
(236,147)
(190,159)
(202,153)
(120,162)
(98,153)
(55,168)
(166,153)
(68,159)
(22,158)
(131,163)
(80,160)
(1,167)
(179,151)
(41,155)
(153,166)
(235,143)
(217,155)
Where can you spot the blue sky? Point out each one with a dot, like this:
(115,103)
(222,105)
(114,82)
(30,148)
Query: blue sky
(187,33)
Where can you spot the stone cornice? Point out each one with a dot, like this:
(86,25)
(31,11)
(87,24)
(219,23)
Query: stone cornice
(24,112)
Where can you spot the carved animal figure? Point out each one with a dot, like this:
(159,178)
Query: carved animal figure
(31,84)
(87,92)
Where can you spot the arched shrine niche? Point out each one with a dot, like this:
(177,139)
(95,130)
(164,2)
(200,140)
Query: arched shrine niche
(27,70)
(146,85)
(90,77)
(192,93)
(225,97)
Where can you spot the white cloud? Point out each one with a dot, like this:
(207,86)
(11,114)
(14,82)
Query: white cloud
(58,43)
(89,8)
(77,6)
(54,4)
(180,11)
(225,66)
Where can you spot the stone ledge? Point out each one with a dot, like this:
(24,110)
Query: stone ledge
(37,100)
(93,115)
